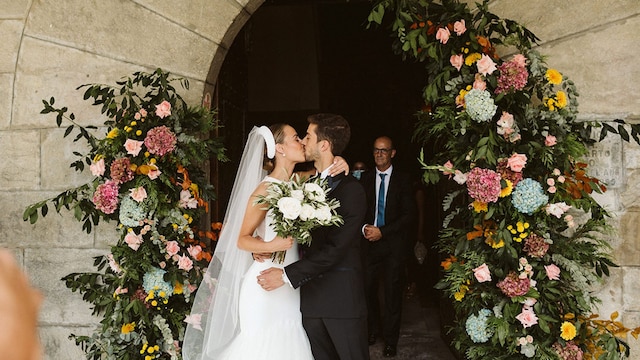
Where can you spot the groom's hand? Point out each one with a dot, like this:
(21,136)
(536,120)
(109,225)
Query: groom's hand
(271,278)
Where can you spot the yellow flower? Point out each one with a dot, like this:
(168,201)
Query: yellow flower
(178,288)
(567,331)
(133,123)
(507,189)
(520,226)
(479,206)
(496,245)
(127,328)
(162,294)
(472,58)
(550,103)
(561,99)
(154,303)
(553,76)
(144,348)
(139,132)
(112,134)
(152,160)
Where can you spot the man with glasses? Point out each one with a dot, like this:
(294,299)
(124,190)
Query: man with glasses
(390,209)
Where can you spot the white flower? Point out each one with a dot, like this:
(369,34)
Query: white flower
(314,191)
(186,201)
(289,207)
(460,177)
(297,194)
(307,212)
(323,214)
(557,209)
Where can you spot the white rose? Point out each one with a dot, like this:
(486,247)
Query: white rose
(297,194)
(323,214)
(307,212)
(315,191)
(289,207)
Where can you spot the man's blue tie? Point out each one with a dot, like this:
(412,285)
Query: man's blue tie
(380,219)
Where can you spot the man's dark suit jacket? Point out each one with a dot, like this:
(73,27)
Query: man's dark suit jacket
(330,272)
(399,209)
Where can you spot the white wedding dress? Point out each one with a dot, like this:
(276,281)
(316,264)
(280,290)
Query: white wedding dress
(270,321)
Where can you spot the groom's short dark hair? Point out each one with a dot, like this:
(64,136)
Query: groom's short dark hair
(333,128)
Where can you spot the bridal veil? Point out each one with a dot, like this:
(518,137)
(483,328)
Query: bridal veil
(213,322)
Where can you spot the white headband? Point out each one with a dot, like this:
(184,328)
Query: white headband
(269,140)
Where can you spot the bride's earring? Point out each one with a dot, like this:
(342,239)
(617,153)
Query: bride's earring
(283,154)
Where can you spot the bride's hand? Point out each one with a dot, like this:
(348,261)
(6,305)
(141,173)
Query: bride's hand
(280,244)
(339,165)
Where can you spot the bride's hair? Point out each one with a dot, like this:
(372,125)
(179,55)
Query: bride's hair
(277,130)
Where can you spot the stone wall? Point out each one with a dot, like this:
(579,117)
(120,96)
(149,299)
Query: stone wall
(49,47)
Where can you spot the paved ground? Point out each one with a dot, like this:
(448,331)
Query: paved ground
(419,336)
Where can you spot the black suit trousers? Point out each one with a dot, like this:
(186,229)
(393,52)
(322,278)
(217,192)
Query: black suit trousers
(383,267)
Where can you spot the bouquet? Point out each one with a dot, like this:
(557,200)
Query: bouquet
(297,207)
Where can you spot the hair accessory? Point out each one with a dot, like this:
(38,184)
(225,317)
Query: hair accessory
(269,140)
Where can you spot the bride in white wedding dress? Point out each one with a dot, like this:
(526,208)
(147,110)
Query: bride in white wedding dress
(232,317)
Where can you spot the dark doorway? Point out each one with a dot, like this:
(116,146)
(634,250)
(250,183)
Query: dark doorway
(296,58)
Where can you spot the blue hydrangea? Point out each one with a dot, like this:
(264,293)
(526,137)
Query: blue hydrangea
(480,105)
(153,280)
(477,327)
(131,213)
(528,196)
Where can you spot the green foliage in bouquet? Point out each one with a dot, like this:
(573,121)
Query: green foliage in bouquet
(149,177)
(524,240)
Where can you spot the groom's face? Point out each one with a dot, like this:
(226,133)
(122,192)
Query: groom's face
(310,142)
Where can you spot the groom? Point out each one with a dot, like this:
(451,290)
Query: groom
(332,300)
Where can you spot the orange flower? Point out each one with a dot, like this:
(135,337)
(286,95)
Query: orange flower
(446,264)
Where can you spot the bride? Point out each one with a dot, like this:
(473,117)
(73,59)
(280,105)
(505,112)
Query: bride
(232,316)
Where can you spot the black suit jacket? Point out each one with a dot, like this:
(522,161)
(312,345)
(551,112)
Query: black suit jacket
(400,209)
(330,273)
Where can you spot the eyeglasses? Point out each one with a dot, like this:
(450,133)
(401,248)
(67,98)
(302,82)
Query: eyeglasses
(381,151)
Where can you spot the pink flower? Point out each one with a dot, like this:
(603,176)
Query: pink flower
(551,182)
(194,251)
(485,65)
(561,179)
(133,147)
(457,61)
(194,320)
(479,83)
(133,240)
(138,194)
(552,189)
(113,265)
(517,162)
(527,318)
(106,197)
(154,172)
(184,263)
(121,290)
(121,170)
(97,168)
(160,140)
(459,27)
(483,185)
(513,77)
(164,109)
(482,273)
(448,168)
(443,35)
(186,201)
(512,285)
(143,112)
(172,248)
(535,245)
(519,60)
(550,140)
(553,272)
